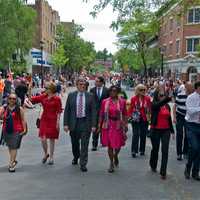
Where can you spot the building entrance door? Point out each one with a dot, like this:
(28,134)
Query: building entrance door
(192,74)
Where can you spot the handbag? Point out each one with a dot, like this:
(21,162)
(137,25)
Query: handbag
(135,116)
(38,119)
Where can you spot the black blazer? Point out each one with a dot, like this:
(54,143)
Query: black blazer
(104,95)
(70,111)
(155,109)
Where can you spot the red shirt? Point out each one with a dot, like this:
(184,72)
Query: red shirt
(142,105)
(163,118)
(17,122)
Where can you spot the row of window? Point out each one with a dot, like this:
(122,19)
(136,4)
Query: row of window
(192,46)
(193,17)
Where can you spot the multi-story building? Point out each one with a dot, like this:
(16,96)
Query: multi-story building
(45,36)
(178,40)
(47,20)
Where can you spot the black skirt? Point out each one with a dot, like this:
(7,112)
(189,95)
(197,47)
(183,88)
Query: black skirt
(13,141)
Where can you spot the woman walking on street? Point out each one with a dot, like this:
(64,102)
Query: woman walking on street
(50,120)
(14,127)
(113,125)
(139,113)
(161,129)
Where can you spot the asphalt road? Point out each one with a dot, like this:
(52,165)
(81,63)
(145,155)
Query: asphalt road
(62,181)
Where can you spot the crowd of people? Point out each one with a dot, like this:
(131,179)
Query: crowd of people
(105,113)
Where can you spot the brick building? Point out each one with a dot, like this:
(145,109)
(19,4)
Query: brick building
(47,20)
(178,40)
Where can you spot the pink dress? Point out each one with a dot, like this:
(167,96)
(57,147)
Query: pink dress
(113,135)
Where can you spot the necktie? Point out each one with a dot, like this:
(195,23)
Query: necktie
(80,106)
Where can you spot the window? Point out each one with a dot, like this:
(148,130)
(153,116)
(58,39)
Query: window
(171,24)
(194,15)
(170,48)
(192,44)
(177,46)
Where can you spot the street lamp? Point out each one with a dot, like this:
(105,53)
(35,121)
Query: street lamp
(162,61)
(41,64)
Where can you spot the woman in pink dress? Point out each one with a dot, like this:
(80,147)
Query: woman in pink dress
(50,120)
(113,125)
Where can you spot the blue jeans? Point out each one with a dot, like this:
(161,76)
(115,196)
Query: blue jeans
(193,136)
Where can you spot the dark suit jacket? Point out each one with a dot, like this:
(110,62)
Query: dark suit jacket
(104,95)
(70,111)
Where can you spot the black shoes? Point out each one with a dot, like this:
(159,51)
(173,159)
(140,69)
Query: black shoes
(187,174)
(154,170)
(196,177)
(83,169)
(94,148)
(179,158)
(75,161)
(134,155)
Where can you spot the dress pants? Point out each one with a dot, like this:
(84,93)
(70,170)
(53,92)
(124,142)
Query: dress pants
(181,138)
(140,130)
(158,136)
(193,135)
(80,140)
(95,137)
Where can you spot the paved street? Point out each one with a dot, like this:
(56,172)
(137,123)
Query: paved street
(62,181)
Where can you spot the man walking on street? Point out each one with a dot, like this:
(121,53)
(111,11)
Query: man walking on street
(80,120)
(179,112)
(193,133)
(100,93)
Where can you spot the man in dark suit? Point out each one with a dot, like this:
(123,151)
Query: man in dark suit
(100,93)
(80,120)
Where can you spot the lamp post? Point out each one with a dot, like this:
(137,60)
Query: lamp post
(162,61)
(41,64)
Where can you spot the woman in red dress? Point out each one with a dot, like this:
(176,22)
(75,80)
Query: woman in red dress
(50,120)
(113,125)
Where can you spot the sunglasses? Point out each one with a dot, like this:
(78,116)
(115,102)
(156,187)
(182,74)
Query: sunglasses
(113,90)
(161,95)
(12,98)
(142,90)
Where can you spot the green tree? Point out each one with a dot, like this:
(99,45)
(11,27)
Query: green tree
(80,53)
(59,59)
(135,33)
(17,26)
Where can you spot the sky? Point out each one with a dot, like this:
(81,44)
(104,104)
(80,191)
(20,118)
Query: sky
(95,30)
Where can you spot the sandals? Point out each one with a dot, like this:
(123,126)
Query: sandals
(44,160)
(11,169)
(51,162)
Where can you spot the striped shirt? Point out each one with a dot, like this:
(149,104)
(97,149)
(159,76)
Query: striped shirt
(180,103)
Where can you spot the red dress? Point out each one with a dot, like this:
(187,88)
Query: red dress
(113,135)
(52,107)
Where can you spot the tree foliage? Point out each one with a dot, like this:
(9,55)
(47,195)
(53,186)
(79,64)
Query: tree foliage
(58,58)
(103,55)
(135,33)
(17,27)
(80,53)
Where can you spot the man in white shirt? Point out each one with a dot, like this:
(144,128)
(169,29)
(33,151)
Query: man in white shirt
(193,133)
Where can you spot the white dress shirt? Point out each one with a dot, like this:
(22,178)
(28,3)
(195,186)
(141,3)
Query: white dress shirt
(100,91)
(77,105)
(193,108)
